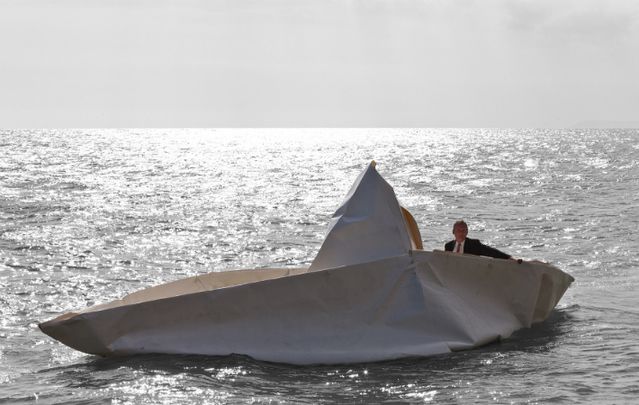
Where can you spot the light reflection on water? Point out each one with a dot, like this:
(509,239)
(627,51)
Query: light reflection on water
(88,216)
(458,377)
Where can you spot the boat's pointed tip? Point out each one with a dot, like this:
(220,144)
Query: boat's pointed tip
(48,327)
(45,327)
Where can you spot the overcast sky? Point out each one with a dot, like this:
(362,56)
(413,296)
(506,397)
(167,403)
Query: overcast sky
(318,63)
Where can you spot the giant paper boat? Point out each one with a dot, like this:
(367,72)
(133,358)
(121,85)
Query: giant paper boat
(370,294)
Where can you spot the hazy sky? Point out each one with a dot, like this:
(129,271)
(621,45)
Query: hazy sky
(318,63)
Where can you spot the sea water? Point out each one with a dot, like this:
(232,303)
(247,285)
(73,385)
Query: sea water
(87,216)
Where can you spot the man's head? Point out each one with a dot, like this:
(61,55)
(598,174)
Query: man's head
(460,230)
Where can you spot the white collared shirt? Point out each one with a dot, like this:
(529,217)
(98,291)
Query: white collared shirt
(460,246)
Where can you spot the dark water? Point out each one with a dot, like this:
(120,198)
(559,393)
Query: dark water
(87,216)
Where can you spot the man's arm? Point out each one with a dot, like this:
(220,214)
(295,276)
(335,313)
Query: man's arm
(485,250)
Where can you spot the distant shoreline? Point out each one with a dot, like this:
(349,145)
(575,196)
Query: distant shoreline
(606,124)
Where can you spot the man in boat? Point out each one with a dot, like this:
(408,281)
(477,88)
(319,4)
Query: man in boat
(463,244)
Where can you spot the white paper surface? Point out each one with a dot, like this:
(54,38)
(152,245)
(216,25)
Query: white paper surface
(411,305)
(368,225)
(366,297)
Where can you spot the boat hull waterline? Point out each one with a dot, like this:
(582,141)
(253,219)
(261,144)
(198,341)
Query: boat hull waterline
(419,304)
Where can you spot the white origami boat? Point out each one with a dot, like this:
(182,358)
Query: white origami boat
(369,295)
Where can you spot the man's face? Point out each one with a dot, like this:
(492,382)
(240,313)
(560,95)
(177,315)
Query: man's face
(460,232)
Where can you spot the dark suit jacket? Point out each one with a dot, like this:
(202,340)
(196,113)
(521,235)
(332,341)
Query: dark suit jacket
(475,247)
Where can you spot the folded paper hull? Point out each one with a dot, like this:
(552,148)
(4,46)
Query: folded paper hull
(418,304)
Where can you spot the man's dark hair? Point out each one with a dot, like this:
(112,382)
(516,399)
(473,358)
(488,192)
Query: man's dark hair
(460,223)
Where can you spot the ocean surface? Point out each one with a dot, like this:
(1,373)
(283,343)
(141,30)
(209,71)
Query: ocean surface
(87,216)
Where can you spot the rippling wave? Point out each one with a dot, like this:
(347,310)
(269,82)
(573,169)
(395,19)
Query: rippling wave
(87,216)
